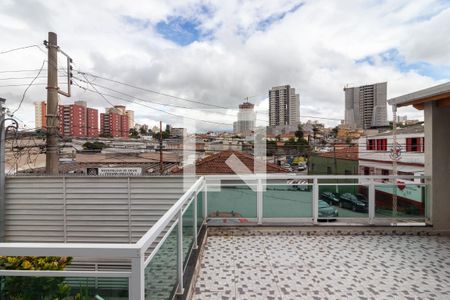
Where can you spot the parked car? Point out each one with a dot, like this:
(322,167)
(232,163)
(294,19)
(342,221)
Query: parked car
(330,197)
(352,202)
(326,211)
(301,167)
(299,184)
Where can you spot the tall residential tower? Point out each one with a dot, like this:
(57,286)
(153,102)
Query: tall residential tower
(246,118)
(284,106)
(365,106)
(284,110)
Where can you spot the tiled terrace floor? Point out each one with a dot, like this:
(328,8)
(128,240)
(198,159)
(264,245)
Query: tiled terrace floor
(325,267)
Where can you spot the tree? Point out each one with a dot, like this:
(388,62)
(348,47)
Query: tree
(348,140)
(133,133)
(165,135)
(334,132)
(94,146)
(300,133)
(143,131)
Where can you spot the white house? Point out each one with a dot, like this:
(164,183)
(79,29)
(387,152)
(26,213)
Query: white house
(375,152)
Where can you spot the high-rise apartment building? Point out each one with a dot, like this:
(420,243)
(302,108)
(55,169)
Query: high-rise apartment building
(78,120)
(365,106)
(130,115)
(114,122)
(245,124)
(284,106)
(75,120)
(40,115)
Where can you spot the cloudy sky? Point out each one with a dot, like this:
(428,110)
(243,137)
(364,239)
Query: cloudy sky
(219,52)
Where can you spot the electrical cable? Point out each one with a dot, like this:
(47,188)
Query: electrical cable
(25,92)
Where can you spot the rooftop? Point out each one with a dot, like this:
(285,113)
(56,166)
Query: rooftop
(416,128)
(216,164)
(440,93)
(324,267)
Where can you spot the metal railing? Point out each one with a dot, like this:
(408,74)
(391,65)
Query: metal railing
(231,199)
(359,200)
(138,255)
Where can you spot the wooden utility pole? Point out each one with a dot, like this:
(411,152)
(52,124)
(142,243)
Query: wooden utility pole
(52,153)
(161,166)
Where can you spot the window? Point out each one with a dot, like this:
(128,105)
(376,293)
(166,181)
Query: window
(415,144)
(329,170)
(381,144)
(366,171)
(347,172)
(377,144)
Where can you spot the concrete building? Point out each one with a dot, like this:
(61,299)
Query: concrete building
(130,115)
(178,131)
(246,118)
(75,120)
(284,106)
(375,151)
(435,102)
(40,112)
(114,122)
(365,106)
(78,120)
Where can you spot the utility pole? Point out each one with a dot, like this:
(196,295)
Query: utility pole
(394,162)
(52,153)
(161,167)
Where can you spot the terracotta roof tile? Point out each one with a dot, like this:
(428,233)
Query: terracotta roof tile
(216,164)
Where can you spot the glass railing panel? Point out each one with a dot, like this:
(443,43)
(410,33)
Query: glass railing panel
(408,197)
(31,288)
(161,272)
(343,201)
(199,211)
(232,202)
(188,231)
(287,201)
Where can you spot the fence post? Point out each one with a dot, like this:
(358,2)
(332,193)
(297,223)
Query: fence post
(205,202)
(371,201)
(136,285)
(259,202)
(195,246)
(180,255)
(315,199)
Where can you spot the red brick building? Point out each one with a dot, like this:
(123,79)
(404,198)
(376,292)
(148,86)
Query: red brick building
(114,124)
(78,120)
(92,122)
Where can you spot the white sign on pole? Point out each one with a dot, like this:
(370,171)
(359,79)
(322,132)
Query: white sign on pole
(131,171)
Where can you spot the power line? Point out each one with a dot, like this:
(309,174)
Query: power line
(153,91)
(151,100)
(27,77)
(29,85)
(23,84)
(19,71)
(20,48)
(153,108)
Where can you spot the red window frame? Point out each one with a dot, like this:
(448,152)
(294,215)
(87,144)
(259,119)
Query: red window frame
(415,144)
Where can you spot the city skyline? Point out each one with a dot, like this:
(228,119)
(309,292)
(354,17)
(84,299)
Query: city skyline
(147,51)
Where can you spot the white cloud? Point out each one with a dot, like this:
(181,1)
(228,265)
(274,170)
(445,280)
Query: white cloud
(313,48)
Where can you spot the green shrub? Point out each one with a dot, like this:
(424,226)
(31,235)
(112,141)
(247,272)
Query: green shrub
(34,288)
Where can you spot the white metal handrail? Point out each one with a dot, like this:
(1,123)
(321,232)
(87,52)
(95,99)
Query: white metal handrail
(262,181)
(134,252)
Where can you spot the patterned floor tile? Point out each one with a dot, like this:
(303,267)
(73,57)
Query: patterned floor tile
(325,267)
